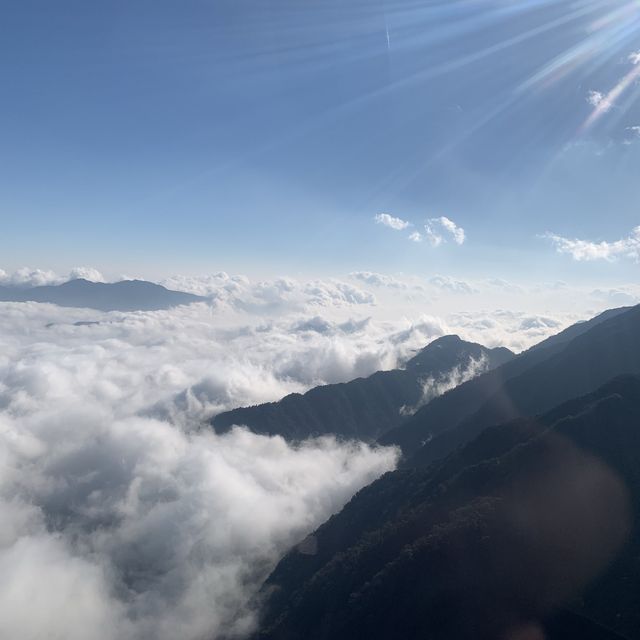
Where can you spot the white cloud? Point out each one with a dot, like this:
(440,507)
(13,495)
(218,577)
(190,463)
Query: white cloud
(27,277)
(598,99)
(452,285)
(509,287)
(379,280)
(88,273)
(456,231)
(634,134)
(392,222)
(603,103)
(435,227)
(150,525)
(434,239)
(334,292)
(274,297)
(432,387)
(618,297)
(152,533)
(219,284)
(517,330)
(585,250)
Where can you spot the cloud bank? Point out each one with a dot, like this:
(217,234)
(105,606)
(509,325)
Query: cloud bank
(118,523)
(27,277)
(271,297)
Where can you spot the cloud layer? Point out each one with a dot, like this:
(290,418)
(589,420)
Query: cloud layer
(116,522)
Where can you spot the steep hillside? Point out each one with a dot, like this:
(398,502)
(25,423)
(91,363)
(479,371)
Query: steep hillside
(526,518)
(607,350)
(574,362)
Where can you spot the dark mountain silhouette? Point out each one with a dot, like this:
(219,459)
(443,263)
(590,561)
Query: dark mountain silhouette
(528,518)
(128,295)
(364,408)
(572,363)
(578,329)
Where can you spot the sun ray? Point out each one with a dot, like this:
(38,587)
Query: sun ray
(608,101)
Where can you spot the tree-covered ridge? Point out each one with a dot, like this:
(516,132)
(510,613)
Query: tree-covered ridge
(496,535)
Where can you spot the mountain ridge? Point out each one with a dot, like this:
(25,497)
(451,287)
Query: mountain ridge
(365,408)
(428,428)
(498,534)
(608,349)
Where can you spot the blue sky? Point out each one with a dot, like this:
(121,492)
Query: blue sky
(264,136)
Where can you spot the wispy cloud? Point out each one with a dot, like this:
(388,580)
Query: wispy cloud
(586,250)
(433,238)
(397,224)
(435,386)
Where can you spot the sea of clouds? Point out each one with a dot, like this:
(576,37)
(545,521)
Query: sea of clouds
(122,515)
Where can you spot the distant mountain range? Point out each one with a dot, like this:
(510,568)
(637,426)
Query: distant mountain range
(366,408)
(517,501)
(128,295)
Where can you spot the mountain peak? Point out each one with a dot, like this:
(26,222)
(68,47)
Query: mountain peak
(450,349)
(444,341)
